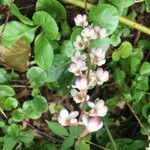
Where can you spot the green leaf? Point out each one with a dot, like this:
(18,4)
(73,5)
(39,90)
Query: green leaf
(119,77)
(59,65)
(147,2)
(146,110)
(29,111)
(53,7)
(122,3)
(57,129)
(10,103)
(68,142)
(67,48)
(37,76)
(102,43)
(14,31)
(145,69)
(15,11)
(40,104)
(99,14)
(14,130)
(144,44)
(115,40)
(6,91)
(9,143)
(75,131)
(75,33)
(116,56)
(135,62)
(18,115)
(2,124)
(125,49)
(142,83)
(4,76)
(43,52)
(26,137)
(47,23)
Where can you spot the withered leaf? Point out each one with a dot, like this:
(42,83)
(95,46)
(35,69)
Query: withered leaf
(16,57)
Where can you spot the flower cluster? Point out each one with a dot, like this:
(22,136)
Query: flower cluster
(86,78)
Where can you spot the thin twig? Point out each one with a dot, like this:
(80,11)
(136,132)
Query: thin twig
(139,121)
(110,136)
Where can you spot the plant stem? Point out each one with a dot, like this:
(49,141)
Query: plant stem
(139,121)
(110,136)
(122,20)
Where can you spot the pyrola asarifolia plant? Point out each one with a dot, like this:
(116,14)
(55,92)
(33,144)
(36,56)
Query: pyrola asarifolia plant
(87,78)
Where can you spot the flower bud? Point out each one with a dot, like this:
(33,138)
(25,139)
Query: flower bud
(79,44)
(88,34)
(81,20)
(81,84)
(101,76)
(93,124)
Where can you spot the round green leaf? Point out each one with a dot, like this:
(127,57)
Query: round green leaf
(37,76)
(39,104)
(146,110)
(10,103)
(106,16)
(18,115)
(116,56)
(6,90)
(145,68)
(29,112)
(125,49)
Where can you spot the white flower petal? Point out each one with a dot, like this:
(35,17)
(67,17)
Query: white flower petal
(64,113)
(91,104)
(74,114)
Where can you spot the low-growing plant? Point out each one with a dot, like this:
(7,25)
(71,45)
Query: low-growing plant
(75,83)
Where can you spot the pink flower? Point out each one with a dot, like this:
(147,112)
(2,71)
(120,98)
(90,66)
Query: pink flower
(98,56)
(88,34)
(79,44)
(66,119)
(78,97)
(93,124)
(98,109)
(101,32)
(81,84)
(101,76)
(92,79)
(81,20)
(78,57)
(77,68)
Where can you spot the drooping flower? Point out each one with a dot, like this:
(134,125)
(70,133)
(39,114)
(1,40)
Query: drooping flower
(78,57)
(92,79)
(79,44)
(77,68)
(78,97)
(101,32)
(93,124)
(98,56)
(81,84)
(66,119)
(88,34)
(98,109)
(81,20)
(101,76)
